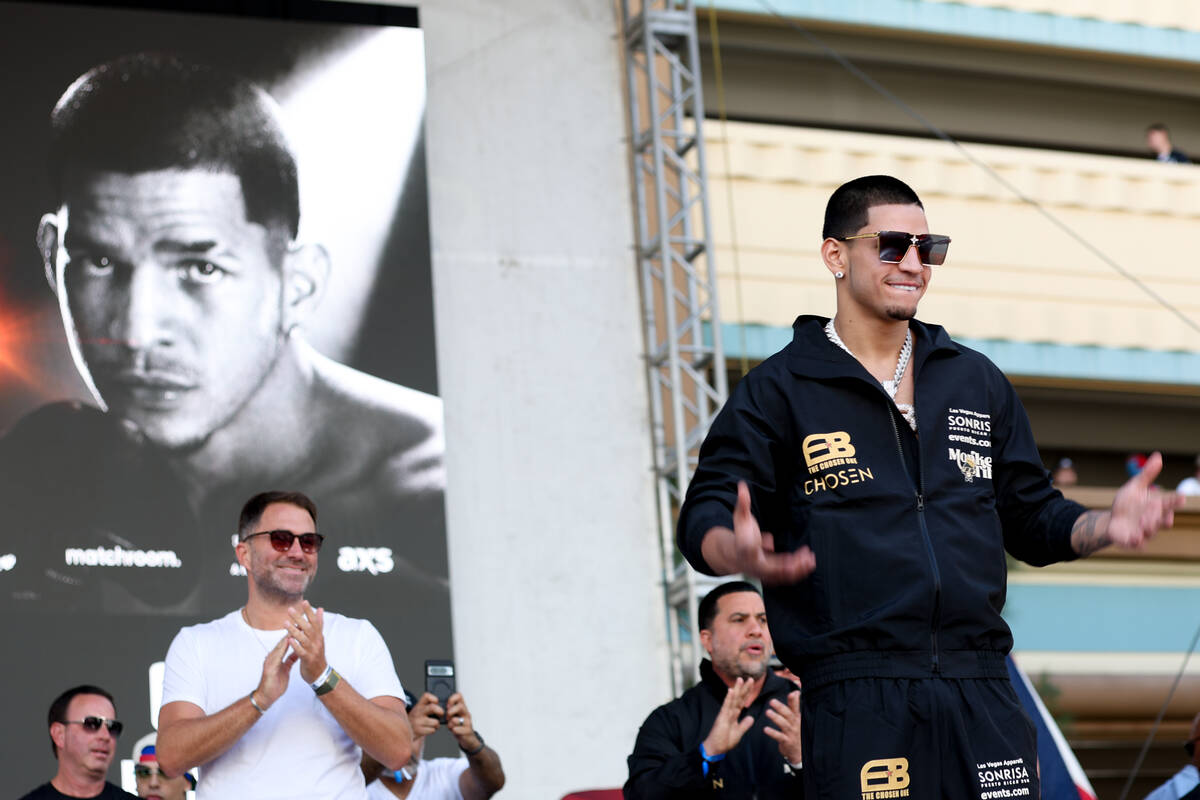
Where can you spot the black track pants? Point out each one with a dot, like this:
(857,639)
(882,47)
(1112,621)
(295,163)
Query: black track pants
(924,739)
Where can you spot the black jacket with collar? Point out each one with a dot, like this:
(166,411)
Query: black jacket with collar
(666,762)
(909,531)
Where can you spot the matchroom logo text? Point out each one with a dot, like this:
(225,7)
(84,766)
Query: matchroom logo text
(120,557)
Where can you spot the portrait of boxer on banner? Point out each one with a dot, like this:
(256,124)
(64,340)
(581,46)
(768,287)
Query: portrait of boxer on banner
(174,250)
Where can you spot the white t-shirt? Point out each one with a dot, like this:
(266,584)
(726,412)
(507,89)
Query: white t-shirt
(1180,784)
(437,779)
(297,749)
(1188,485)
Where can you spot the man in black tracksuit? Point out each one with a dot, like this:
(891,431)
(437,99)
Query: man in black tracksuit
(734,735)
(889,469)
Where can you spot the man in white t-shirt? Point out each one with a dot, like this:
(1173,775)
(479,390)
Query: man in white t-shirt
(476,775)
(1184,782)
(1190,484)
(287,735)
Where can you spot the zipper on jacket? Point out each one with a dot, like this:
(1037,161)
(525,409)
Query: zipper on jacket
(919,491)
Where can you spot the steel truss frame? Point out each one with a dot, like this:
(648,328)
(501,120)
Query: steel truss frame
(685,368)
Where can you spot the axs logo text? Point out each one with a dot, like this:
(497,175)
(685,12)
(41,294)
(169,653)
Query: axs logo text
(365,559)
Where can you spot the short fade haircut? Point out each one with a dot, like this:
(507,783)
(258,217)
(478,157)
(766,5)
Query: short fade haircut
(253,510)
(58,709)
(1158,126)
(847,208)
(707,612)
(152,111)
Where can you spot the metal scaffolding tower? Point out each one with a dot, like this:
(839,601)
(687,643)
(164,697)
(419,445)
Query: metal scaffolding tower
(684,358)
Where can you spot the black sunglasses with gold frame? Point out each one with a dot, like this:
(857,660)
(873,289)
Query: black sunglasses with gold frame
(893,246)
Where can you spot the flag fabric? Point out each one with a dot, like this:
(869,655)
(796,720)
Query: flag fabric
(1061,776)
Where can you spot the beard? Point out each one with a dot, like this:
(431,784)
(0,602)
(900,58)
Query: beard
(274,588)
(280,594)
(899,313)
(734,667)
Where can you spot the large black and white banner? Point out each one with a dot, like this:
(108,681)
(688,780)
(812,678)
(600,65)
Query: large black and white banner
(174,337)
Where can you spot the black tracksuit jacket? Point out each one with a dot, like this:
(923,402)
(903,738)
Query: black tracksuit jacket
(666,763)
(909,531)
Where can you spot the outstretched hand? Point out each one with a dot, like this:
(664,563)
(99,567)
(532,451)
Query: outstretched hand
(786,718)
(1140,509)
(755,550)
(727,729)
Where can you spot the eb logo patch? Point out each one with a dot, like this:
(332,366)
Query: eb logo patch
(825,450)
(832,459)
(884,778)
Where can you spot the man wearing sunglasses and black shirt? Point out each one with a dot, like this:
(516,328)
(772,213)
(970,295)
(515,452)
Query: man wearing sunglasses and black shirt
(872,474)
(254,698)
(83,735)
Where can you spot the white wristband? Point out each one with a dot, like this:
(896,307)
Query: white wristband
(324,676)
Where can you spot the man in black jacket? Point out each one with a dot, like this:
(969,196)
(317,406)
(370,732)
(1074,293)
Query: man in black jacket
(737,733)
(893,467)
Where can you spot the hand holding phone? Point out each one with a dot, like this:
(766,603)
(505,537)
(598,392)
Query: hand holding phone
(439,680)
